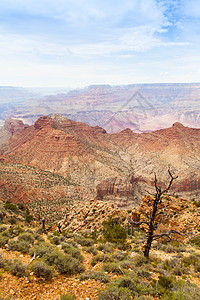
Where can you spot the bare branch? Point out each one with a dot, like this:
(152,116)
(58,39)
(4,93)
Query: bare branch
(33,258)
(167,234)
(170,183)
(139,223)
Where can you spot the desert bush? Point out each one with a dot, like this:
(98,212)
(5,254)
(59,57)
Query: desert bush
(127,264)
(3,240)
(10,206)
(68,265)
(12,220)
(20,246)
(74,252)
(119,256)
(115,293)
(39,237)
(65,264)
(196,241)
(41,249)
(99,258)
(57,240)
(40,269)
(18,269)
(172,248)
(192,259)
(112,267)
(107,248)
(140,260)
(7,233)
(181,289)
(68,297)
(114,232)
(83,241)
(2,228)
(27,237)
(91,250)
(15,230)
(97,275)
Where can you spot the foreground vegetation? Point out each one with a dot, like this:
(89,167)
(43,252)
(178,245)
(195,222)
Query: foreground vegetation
(116,261)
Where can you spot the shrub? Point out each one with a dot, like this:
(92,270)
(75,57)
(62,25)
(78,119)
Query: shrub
(99,258)
(119,255)
(41,249)
(105,247)
(112,267)
(74,252)
(91,250)
(192,259)
(40,269)
(65,264)
(10,206)
(15,230)
(3,240)
(196,241)
(18,269)
(57,240)
(97,275)
(114,232)
(83,241)
(115,293)
(2,228)
(68,265)
(27,237)
(140,260)
(68,297)
(20,246)
(12,220)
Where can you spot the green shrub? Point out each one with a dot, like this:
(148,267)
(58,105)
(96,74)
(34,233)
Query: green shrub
(119,256)
(107,248)
(112,267)
(12,220)
(15,230)
(10,206)
(65,264)
(57,240)
(39,237)
(140,260)
(114,232)
(99,258)
(27,237)
(83,241)
(97,275)
(68,297)
(192,259)
(40,269)
(18,269)
(3,240)
(115,293)
(2,228)
(20,246)
(74,252)
(91,250)
(41,249)
(196,241)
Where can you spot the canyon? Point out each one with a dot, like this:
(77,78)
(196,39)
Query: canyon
(58,161)
(140,107)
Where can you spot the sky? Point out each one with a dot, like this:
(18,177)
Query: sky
(75,43)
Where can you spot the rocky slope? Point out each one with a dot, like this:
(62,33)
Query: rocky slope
(115,167)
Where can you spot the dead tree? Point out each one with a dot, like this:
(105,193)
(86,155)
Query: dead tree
(157,210)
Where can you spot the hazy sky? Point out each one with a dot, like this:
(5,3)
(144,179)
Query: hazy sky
(73,43)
